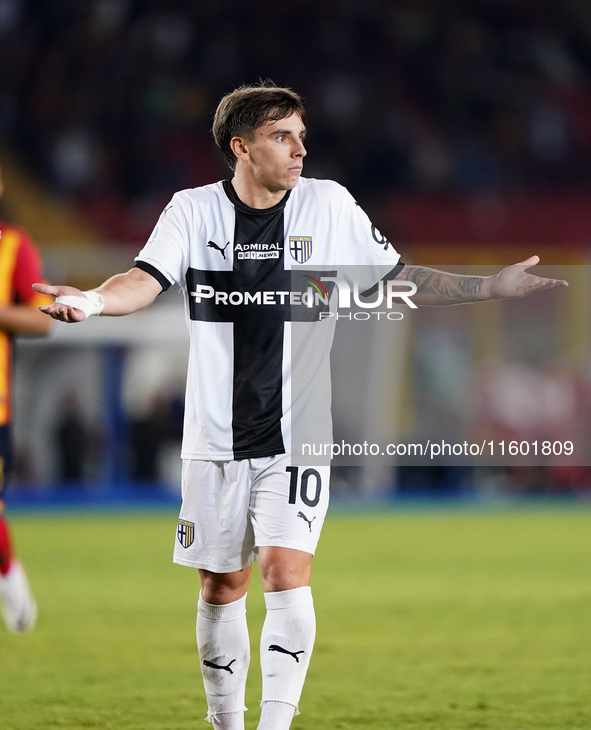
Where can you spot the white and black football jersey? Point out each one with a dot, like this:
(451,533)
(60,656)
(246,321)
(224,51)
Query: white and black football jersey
(236,267)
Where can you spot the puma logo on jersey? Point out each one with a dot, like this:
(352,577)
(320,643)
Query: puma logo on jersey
(217,666)
(281,650)
(211,244)
(303,516)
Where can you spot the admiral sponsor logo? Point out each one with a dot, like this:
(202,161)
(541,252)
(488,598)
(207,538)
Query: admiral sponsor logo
(258,250)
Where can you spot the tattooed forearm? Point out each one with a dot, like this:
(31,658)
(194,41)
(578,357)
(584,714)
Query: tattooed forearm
(471,284)
(440,288)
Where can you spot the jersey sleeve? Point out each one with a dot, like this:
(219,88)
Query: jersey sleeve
(365,255)
(28,271)
(165,254)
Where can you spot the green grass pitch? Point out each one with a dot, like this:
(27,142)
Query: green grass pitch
(442,621)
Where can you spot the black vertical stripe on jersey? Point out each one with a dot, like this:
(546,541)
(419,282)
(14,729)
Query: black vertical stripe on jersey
(258,339)
(257,391)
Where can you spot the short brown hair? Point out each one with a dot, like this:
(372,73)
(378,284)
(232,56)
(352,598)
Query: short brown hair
(247,108)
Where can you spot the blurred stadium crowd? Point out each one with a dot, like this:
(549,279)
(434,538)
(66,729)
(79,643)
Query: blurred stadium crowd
(477,115)
(111,100)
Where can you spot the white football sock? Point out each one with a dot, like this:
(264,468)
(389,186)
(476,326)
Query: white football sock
(287,641)
(228,721)
(224,652)
(17,604)
(276,716)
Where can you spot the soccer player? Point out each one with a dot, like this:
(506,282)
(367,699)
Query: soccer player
(232,247)
(20,267)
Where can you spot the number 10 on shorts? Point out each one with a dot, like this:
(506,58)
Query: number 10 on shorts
(310,485)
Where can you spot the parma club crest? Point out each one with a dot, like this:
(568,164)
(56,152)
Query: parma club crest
(300,248)
(186,533)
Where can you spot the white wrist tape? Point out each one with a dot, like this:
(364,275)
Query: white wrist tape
(92,303)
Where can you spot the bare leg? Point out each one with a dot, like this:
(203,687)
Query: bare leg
(283,569)
(221,588)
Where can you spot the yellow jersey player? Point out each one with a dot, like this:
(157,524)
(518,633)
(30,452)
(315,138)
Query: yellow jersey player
(20,266)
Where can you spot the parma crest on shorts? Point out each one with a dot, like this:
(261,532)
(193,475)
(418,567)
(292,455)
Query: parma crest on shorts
(186,533)
(300,248)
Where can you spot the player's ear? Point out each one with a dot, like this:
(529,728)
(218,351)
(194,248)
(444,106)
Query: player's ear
(239,146)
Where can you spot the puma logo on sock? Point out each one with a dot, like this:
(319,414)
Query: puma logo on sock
(217,666)
(303,516)
(281,650)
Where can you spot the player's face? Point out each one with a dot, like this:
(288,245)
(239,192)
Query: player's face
(276,153)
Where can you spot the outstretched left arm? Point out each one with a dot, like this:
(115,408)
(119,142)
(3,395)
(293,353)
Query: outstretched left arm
(438,288)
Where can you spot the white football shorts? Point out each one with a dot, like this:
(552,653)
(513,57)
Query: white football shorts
(232,508)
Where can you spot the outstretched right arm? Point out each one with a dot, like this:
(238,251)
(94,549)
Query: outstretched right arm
(122,294)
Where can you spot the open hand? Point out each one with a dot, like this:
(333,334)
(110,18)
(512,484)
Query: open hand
(61,312)
(514,281)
